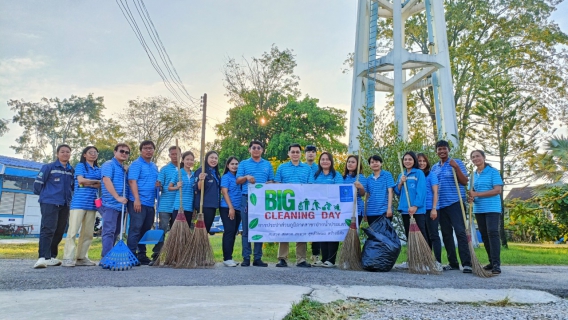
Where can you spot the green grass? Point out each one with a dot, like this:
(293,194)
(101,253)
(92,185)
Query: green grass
(517,254)
(308,310)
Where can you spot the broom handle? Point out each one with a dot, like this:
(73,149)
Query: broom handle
(405,187)
(122,213)
(179,179)
(354,215)
(471,205)
(203,149)
(459,196)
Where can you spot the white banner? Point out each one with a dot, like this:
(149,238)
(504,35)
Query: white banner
(299,212)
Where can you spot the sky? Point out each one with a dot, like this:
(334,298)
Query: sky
(63,48)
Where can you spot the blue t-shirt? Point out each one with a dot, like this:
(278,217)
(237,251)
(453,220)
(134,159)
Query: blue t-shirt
(351,179)
(378,189)
(229,181)
(84,197)
(145,174)
(416,184)
(166,176)
(485,181)
(188,193)
(326,178)
(290,173)
(115,172)
(447,193)
(261,171)
(314,167)
(431,180)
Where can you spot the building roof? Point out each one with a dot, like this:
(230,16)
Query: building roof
(20,163)
(523,193)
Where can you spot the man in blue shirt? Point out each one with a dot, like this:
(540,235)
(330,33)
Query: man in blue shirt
(114,195)
(293,171)
(310,154)
(54,185)
(379,186)
(451,218)
(167,174)
(252,170)
(142,179)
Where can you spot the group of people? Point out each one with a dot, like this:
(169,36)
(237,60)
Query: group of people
(430,194)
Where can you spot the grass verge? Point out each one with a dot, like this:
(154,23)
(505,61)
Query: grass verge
(308,309)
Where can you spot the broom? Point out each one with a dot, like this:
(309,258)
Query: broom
(350,255)
(420,259)
(120,258)
(201,255)
(475,264)
(179,238)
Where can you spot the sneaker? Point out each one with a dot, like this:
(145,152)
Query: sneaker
(317,264)
(328,264)
(488,267)
(450,267)
(315,258)
(86,262)
(144,260)
(40,264)
(53,262)
(467,269)
(229,263)
(496,270)
(104,266)
(439,267)
(402,266)
(281,263)
(259,263)
(68,263)
(303,264)
(245,263)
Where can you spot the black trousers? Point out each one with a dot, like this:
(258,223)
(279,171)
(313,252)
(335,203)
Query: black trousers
(434,240)
(54,220)
(208,217)
(420,221)
(316,248)
(488,224)
(329,251)
(451,221)
(231,228)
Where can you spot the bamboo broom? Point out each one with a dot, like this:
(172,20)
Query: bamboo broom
(420,259)
(350,255)
(201,255)
(179,239)
(475,264)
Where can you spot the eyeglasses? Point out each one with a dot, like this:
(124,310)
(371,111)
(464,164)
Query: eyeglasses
(255,148)
(124,152)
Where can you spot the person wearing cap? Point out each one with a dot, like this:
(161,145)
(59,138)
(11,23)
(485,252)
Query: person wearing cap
(293,171)
(310,154)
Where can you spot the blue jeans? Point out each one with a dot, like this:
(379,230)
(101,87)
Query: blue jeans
(54,219)
(246,244)
(140,222)
(111,228)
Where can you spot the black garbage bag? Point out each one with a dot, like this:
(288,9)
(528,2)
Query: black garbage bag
(382,246)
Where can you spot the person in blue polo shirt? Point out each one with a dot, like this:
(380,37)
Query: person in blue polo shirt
(211,179)
(186,184)
(350,176)
(379,187)
(451,218)
(485,195)
(230,209)
(83,210)
(293,171)
(432,221)
(114,195)
(310,153)
(416,185)
(167,174)
(142,179)
(54,185)
(252,170)
(326,174)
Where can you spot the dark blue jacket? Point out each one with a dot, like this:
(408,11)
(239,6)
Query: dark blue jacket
(212,195)
(54,184)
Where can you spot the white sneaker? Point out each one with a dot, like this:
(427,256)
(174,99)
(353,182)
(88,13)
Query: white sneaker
(68,263)
(328,264)
(85,262)
(317,264)
(53,262)
(402,266)
(315,258)
(439,267)
(40,264)
(229,263)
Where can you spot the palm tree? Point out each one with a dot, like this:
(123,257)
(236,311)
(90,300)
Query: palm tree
(553,164)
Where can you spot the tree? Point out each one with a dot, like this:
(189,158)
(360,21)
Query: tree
(551,165)
(160,120)
(52,122)
(3,126)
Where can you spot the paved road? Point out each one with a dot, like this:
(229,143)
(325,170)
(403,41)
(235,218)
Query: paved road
(19,275)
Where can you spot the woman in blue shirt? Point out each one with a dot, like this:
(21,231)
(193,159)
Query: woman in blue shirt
(83,210)
(350,176)
(416,185)
(432,220)
(186,185)
(485,196)
(326,174)
(212,181)
(230,209)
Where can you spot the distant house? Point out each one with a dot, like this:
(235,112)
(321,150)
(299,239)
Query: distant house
(18,204)
(523,193)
